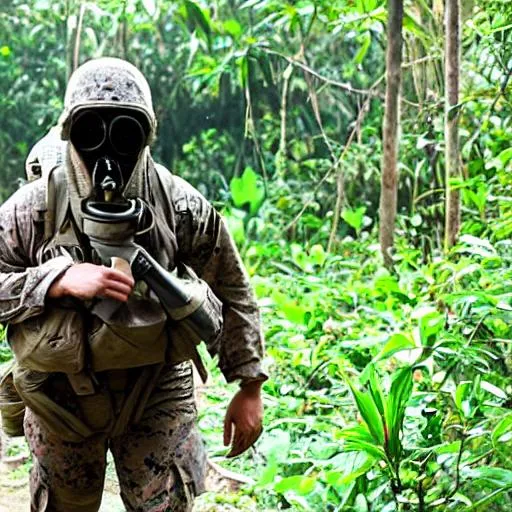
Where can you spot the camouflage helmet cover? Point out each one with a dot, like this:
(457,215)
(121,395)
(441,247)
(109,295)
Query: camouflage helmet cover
(107,82)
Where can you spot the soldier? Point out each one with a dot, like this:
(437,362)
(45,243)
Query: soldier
(99,364)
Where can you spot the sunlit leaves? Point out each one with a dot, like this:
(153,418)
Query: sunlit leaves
(247,190)
(430,325)
(383,417)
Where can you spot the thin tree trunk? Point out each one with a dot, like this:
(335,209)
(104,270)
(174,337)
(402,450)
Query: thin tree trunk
(281,154)
(452,168)
(78,36)
(70,31)
(389,173)
(340,199)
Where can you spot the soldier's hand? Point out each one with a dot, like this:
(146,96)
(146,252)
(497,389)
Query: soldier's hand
(243,422)
(86,281)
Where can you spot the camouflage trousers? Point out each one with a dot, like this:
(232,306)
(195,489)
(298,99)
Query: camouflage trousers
(160,461)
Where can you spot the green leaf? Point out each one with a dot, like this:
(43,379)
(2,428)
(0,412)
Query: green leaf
(235,222)
(247,189)
(498,477)
(369,412)
(487,499)
(349,467)
(359,439)
(275,447)
(399,394)
(494,390)
(198,18)
(363,50)
(463,398)
(430,324)
(354,218)
(362,446)
(358,433)
(502,432)
(376,390)
(291,310)
(318,254)
(233,28)
(300,484)
(505,156)
(396,343)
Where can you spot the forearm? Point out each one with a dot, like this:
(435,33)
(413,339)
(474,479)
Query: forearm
(241,346)
(23,293)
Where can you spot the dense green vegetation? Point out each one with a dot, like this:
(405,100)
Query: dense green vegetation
(391,387)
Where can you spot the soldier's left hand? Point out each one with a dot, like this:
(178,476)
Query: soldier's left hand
(243,421)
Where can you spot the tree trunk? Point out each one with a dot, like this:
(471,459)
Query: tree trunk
(451,132)
(389,173)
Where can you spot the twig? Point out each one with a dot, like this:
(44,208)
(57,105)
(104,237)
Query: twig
(470,340)
(457,468)
(421,490)
(420,60)
(330,81)
(503,89)
(343,85)
(315,370)
(421,495)
(250,127)
(340,182)
(340,200)
(359,120)
(230,475)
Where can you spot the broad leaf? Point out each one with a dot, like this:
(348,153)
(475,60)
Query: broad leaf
(247,189)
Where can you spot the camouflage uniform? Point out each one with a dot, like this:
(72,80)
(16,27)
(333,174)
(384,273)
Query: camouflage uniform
(158,453)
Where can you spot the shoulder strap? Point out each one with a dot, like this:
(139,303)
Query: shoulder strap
(57,201)
(165,180)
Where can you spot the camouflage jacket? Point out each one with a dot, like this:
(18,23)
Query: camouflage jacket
(203,243)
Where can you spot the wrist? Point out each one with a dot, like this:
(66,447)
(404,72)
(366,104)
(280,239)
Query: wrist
(251,386)
(57,288)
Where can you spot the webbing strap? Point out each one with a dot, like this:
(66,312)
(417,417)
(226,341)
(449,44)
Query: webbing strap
(57,201)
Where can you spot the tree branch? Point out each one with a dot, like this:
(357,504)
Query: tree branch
(358,122)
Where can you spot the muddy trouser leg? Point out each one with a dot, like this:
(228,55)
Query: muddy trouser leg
(161,460)
(65,476)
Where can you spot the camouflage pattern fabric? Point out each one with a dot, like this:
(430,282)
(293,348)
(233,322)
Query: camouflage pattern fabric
(160,460)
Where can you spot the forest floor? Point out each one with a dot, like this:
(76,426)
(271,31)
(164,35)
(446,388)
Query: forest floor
(14,491)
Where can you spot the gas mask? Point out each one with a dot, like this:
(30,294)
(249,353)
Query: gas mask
(110,141)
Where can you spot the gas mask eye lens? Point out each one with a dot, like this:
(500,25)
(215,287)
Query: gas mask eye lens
(88,131)
(126,135)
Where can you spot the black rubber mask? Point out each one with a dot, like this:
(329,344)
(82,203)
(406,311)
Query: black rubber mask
(110,138)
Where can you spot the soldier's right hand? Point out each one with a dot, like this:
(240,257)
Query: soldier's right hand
(86,281)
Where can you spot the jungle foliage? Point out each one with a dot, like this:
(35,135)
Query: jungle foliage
(391,388)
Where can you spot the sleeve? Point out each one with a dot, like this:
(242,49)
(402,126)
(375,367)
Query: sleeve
(206,245)
(23,283)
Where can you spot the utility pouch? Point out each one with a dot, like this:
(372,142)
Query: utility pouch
(132,335)
(12,408)
(50,342)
